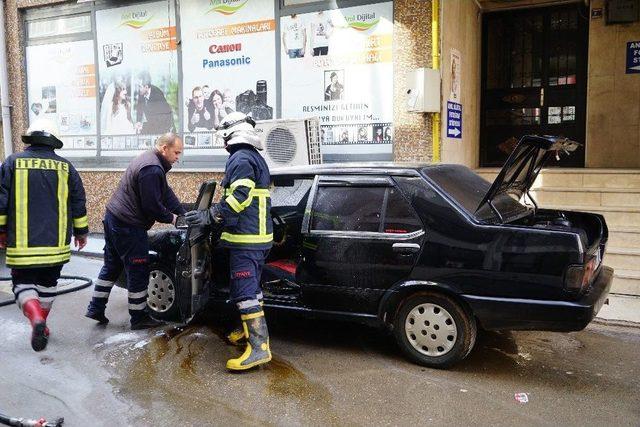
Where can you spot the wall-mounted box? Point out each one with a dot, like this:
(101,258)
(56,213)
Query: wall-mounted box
(423,91)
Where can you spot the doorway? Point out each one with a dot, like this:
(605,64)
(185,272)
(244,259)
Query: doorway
(534,80)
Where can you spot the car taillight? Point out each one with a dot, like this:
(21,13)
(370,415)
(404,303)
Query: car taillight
(578,277)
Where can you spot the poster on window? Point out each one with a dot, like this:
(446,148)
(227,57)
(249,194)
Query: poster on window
(228,64)
(62,87)
(337,65)
(138,88)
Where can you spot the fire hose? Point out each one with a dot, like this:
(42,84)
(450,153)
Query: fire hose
(25,422)
(85,282)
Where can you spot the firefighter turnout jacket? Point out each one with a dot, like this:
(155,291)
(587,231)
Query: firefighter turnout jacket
(41,201)
(246,202)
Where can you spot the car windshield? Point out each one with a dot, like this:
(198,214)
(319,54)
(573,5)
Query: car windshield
(467,189)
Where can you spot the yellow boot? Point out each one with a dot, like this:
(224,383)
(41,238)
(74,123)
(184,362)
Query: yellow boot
(237,336)
(257,351)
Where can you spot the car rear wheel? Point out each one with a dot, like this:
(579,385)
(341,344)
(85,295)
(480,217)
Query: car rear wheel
(433,330)
(161,291)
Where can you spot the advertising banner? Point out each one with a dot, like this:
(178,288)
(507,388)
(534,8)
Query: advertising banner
(228,64)
(62,87)
(138,76)
(337,65)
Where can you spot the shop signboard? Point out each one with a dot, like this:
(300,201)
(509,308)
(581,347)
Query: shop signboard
(454,120)
(62,87)
(228,64)
(633,57)
(138,71)
(337,65)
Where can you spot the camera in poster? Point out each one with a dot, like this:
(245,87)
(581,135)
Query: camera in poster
(61,87)
(228,62)
(337,65)
(138,88)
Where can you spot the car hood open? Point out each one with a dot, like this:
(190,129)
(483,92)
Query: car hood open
(523,166)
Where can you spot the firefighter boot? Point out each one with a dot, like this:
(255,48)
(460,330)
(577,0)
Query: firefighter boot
(257,351)
(237,336)
(35,314)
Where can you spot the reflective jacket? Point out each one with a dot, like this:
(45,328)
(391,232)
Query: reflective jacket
(246,202)
(41,201)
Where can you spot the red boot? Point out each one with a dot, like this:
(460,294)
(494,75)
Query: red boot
(35,314)
(45,312)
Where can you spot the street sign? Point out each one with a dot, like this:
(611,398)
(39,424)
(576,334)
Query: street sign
(633,57)
(454,120)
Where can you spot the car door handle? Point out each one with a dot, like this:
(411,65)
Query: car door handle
(406,248)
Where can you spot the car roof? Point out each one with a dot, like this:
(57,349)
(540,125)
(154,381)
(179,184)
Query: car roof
(360,168)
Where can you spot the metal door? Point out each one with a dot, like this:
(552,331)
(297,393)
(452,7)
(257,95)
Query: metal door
(534,77)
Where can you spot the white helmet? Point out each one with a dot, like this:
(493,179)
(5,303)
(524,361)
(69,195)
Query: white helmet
(238,128)
(43,132)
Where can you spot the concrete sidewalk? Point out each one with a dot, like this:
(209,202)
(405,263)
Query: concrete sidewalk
(94,248)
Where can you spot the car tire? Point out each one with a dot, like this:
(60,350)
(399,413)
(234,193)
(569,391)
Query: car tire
(161,290)
(433,330)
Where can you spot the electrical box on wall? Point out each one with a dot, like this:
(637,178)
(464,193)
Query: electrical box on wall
(423,91)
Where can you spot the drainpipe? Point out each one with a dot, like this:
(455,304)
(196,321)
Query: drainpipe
(4,88)
(435,61)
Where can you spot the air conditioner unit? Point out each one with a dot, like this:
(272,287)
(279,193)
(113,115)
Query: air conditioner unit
(290,142)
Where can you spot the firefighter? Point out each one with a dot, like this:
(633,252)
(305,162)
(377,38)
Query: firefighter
(143,197)
(42,203)
(244,212)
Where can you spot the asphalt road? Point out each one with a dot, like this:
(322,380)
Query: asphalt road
(322,374)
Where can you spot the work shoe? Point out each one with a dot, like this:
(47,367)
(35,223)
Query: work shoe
(257,351)
(39,336)
(145,322)
(39,332)
(97,315)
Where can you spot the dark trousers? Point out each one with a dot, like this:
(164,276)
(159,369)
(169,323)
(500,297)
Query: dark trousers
(317,51)
(125,247)
(36,283)
(246,269)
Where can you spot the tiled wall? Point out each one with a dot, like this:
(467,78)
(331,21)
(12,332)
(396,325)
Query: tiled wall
(613,97)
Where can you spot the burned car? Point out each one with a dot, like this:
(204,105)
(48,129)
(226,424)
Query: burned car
(431,252)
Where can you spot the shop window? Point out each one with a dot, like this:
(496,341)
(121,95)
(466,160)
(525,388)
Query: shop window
(63,25)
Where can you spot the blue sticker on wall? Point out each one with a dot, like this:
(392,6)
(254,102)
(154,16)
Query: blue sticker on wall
(454,120)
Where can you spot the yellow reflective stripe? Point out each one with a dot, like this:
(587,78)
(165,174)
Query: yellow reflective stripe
(245,182)
(3,220)
(43,250)
(36,260)
(22,214)
(63,191)
(252,315)
(81,222)
(246,238)
(233,202)
(262,215)
(260,192)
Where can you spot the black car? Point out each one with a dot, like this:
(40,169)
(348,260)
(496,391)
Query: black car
(431,252)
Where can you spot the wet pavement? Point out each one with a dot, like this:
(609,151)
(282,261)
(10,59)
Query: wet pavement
(323,373)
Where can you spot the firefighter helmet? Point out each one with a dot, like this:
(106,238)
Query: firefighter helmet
(43,132)
(238,128)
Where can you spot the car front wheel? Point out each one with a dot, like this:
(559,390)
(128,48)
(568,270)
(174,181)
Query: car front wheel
(161,291)
(433,330)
